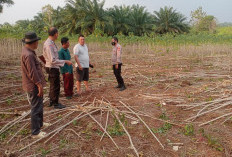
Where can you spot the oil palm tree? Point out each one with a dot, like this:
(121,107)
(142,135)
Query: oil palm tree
(140,20)
(120,19)
(85,16)
(168,20)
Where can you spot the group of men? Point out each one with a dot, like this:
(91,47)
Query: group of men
(56,62)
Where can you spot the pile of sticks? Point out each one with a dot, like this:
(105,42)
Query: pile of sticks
(102,108)
(220,106)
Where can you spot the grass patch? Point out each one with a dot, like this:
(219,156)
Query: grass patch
(162,130)
(188,130)
(212,141)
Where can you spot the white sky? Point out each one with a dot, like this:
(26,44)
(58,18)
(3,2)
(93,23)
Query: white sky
(27,9)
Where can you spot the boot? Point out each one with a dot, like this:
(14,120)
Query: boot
(118,86)
(122,88)
(59,106)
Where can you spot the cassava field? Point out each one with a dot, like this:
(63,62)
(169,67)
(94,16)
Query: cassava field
(177,103)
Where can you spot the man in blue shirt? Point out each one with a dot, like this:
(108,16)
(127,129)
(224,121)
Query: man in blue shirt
(66,70)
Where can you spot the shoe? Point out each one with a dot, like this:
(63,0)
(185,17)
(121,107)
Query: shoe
(122,88)
(59,106)
(118,86)
(68,97)
(40,135)
(45,125)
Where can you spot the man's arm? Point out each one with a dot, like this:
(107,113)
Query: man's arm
(40,89)
(118,51)
(78,62)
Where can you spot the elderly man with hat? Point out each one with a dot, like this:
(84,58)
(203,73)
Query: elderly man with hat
(33,82)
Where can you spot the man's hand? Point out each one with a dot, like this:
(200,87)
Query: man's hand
(116,66)
(68,62)
(67,73)
(80,67)
(40,89)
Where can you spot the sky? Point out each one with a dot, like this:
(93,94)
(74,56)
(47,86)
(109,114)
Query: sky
(27,9)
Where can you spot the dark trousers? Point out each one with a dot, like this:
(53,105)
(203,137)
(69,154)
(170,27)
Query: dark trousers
(36,111)
(117,73)
(68,84)
(54,79)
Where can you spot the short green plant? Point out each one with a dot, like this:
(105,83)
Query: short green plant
(189,130)
(116,129)
(163,116)
(163,129)
(63,143)
(44,151)
(24,132)
(75,122)
(2,136)
(212,142)
(9,101)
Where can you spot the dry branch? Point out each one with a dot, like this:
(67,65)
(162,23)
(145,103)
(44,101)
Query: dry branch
(104,130)
(143,123)
(228,114)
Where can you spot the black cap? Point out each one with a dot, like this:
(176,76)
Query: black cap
(30,37)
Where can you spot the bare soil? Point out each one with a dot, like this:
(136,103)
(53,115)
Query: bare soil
(159,83)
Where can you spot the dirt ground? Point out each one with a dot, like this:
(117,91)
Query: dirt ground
(167,88)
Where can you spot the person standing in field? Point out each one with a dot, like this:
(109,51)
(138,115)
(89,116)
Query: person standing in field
(53,64)
(33,82)
(81,55)
(66,70)
(117,63)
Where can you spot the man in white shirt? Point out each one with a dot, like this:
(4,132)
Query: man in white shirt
(81,56)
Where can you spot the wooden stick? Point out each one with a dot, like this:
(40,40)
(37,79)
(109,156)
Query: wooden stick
(62,127)
(74,132)
(17,132)
(204,103)
(104,130)
(143,123)
(223,105)
(107,118)
(12,123)
(215,119)
(131,142)
(226,120)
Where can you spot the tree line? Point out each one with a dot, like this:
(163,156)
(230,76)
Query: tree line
(89,17)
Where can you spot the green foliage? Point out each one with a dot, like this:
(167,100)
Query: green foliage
(224,30)
(63,143)
(202,22)
(116,129)
(163,129)
(3,136)
(24,132)
(89,17)
(188,130)
(163,116)
(212,142)
(88,131)
(44,151)
(75,122)
(168,20)
(8,2)
(9,101)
